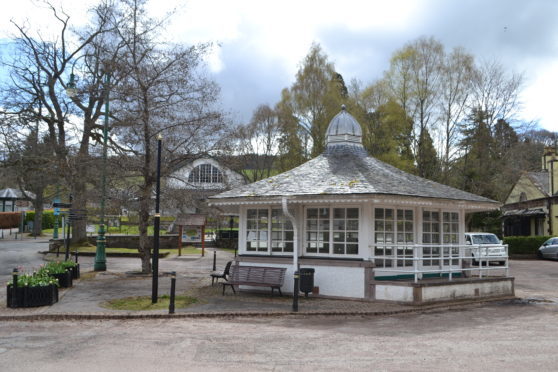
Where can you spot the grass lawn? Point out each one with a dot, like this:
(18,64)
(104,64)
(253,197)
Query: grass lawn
(124,229)
(91,248)
(144,303)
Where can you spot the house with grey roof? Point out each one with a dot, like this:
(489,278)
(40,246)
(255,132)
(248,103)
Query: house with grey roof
(531,207)
(13,200)
(357,221)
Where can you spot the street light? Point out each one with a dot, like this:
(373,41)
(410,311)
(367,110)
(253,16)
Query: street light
(100,255)
(156,226)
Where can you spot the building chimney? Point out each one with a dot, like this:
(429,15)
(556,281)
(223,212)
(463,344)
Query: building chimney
(550,164)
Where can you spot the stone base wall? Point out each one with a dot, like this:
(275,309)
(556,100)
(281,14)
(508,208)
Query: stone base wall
(132,241)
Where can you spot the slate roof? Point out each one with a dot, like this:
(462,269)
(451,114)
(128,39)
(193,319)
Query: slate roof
(345,168)
(346,172)
(13,194)
(540,179)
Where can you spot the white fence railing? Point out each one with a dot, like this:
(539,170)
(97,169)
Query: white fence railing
(419,259)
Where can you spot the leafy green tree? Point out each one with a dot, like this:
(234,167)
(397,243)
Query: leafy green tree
(315,97)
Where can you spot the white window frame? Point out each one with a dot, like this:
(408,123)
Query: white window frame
(394,207)
(269,251)
(330,254)
(443,246)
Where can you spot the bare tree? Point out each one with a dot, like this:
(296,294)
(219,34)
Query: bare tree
(40,73)
(258,144)
(455,90)
(495,92)
(164,92)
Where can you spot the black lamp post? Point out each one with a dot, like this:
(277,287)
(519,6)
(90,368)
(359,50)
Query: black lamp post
(156,225)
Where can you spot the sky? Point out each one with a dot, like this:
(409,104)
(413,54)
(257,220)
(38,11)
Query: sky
(259,45)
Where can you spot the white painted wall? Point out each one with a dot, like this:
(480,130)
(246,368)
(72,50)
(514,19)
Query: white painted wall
(332,280)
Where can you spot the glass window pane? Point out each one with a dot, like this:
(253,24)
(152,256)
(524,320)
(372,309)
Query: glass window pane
(312,213)
(352,224)
(338,237)
(338,224)
(289,235)
(352,248)
(312,224)
(352,236)
(426,216)
(324,212)
(379,213)
(339,213)
(379,238)
(379,225)
(389,214)
(352,212)
(339,248)
(324,225)
(409,214)
(252,213)
(408,226)
(324,248)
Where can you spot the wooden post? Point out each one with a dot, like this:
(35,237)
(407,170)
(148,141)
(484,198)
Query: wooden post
(180,227)
(203,240)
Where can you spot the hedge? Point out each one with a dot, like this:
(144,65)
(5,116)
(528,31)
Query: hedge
(9,219)
(524,244)
(48,218)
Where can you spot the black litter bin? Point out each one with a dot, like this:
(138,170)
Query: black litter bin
(306,281)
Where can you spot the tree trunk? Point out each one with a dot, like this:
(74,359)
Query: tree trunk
(38,219)
(79,233)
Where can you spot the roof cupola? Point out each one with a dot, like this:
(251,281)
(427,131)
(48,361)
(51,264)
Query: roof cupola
(344,132)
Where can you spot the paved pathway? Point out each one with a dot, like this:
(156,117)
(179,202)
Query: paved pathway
(120,280)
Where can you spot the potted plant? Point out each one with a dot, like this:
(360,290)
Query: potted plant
(37,289)
(73,267)
(59,271)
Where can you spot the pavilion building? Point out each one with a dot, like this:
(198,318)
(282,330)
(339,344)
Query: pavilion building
(360,223)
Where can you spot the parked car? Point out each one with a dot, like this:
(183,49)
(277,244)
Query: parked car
(487,247)
(549,249)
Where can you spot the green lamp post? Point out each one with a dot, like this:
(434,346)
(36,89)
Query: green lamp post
(100,254)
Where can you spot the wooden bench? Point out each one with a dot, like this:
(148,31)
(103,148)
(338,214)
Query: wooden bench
(256,276)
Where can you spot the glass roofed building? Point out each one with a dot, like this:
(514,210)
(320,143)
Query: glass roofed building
(357,221)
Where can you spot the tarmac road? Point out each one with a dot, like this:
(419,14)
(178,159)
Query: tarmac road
(20,253)
(511,337)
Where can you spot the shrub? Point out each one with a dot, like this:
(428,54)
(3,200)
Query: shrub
(524,244)
(9,219)
(48,218)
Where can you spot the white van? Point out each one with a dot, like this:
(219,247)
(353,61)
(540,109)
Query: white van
(487,247)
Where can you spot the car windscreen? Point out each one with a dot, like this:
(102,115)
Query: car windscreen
(485,239)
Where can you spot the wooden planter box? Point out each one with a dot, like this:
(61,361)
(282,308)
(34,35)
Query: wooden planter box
(64,279)
(32,296)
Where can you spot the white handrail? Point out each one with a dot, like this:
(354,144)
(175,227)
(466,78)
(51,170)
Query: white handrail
(465,252)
